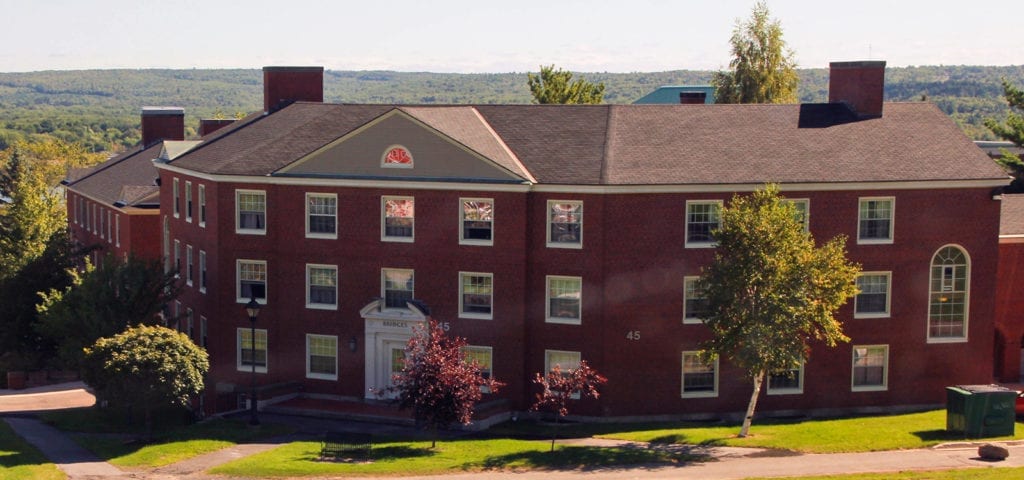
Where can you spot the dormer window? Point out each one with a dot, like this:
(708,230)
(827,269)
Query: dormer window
(396,157)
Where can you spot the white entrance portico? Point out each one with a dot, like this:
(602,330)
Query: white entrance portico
(388,330)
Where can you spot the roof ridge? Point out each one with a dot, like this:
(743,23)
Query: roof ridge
(504,146)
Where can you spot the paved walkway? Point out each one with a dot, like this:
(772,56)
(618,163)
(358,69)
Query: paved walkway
(727,462)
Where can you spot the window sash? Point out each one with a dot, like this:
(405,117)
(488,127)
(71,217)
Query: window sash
(323,355)
(701,220)
(323,211)
(566,222)
(252,210)
(875,219)
(399,288)
(698,377)
(869,365)
(477,220)
(323,286)
(399,217)
(477,291)
(874,294)
(246,348)
(564,295)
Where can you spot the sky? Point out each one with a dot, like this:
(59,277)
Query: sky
(482,36)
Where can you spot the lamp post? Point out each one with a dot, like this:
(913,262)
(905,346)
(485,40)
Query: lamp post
(253,309)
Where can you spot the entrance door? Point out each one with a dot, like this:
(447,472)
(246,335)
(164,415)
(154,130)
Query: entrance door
(391,358)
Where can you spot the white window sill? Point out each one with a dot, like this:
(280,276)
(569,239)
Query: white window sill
(572,245)
(871,315)
(321,376)
(563,321)
(477,316)
(947,340)
(693,321)
(698,395)
(321,306)
(250,231)
(322,236)
(248,369)
(870,388)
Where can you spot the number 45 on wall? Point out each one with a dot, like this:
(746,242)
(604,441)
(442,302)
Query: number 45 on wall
(633,335)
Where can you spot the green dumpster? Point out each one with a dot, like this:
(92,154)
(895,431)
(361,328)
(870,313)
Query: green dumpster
(980,410)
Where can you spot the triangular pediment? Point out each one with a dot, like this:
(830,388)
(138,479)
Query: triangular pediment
(452,144)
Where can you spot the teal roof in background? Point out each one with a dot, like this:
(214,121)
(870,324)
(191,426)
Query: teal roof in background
(669,94)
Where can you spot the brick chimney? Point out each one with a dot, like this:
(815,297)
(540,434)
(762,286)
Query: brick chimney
(282,85)
(210,125)
(162,123)
(860,85)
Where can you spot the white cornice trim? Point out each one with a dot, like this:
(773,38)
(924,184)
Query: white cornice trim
(584,189)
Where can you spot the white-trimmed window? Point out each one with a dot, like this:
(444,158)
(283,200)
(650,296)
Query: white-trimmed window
(476,295)
(94,221)
(803,211)
(322,287)
(177,198)
(398,219)
(949,295)
(252,280)
(565,223)
(483,356)
(246,354)
(322,357)
(188,201)
(101,225)
(110,227)
(251,211)
(873,299)
(476,221)
(321,215)
(177,258)
(189,323)
(397,287)
(202,205)
(74,209)
(565,360)
(699,379)
(188,265)
(702,218)
(695,304)
(870,368)
(202,331)
(788,383)
(117,228)
(564,297)
(875,223)
(202,271)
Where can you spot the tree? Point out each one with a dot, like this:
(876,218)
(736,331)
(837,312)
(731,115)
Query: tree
(558,388)
(762,69)
(104,301)
(437,382)
(771,291)
(1012,130)
(147,367)
(556,87)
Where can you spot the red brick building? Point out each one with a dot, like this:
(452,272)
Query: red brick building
(1010,303)
(549,234)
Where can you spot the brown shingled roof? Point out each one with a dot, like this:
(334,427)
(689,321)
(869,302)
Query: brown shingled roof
(641,144)
(1011,215)
(105,181)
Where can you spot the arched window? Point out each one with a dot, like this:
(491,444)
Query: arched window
(950,283)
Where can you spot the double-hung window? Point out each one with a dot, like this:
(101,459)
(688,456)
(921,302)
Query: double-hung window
(177,197)
(251,211)
(110,227)
(398,287)
(322,287)
(564,296)
(702,218)
(252,280)
(250,353)
(475,295)
(565,360)
(789,382)
(695,304)
(398,219)
(870,367)
(188,265)
(322,357)
(476,218)
(483,358)
(700,379)
(202,271)
(875,223)
(177,258)
(948,295)
(202,205)
(321,215)
(873,299)
(188,201)
(565,223)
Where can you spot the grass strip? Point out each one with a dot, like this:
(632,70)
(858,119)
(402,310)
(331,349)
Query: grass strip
(19,460)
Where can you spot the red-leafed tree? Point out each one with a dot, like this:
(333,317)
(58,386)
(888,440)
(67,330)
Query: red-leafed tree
(559,387)
(437,382)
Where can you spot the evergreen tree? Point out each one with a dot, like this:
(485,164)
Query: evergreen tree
(556,86)
(762,69)
(771,291)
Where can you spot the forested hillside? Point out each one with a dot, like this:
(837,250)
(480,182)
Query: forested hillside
(100,108)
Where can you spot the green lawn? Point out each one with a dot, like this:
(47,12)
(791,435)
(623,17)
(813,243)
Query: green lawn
(19,460)
(450,456)
(111,439)
(858,434)
(1014,473)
